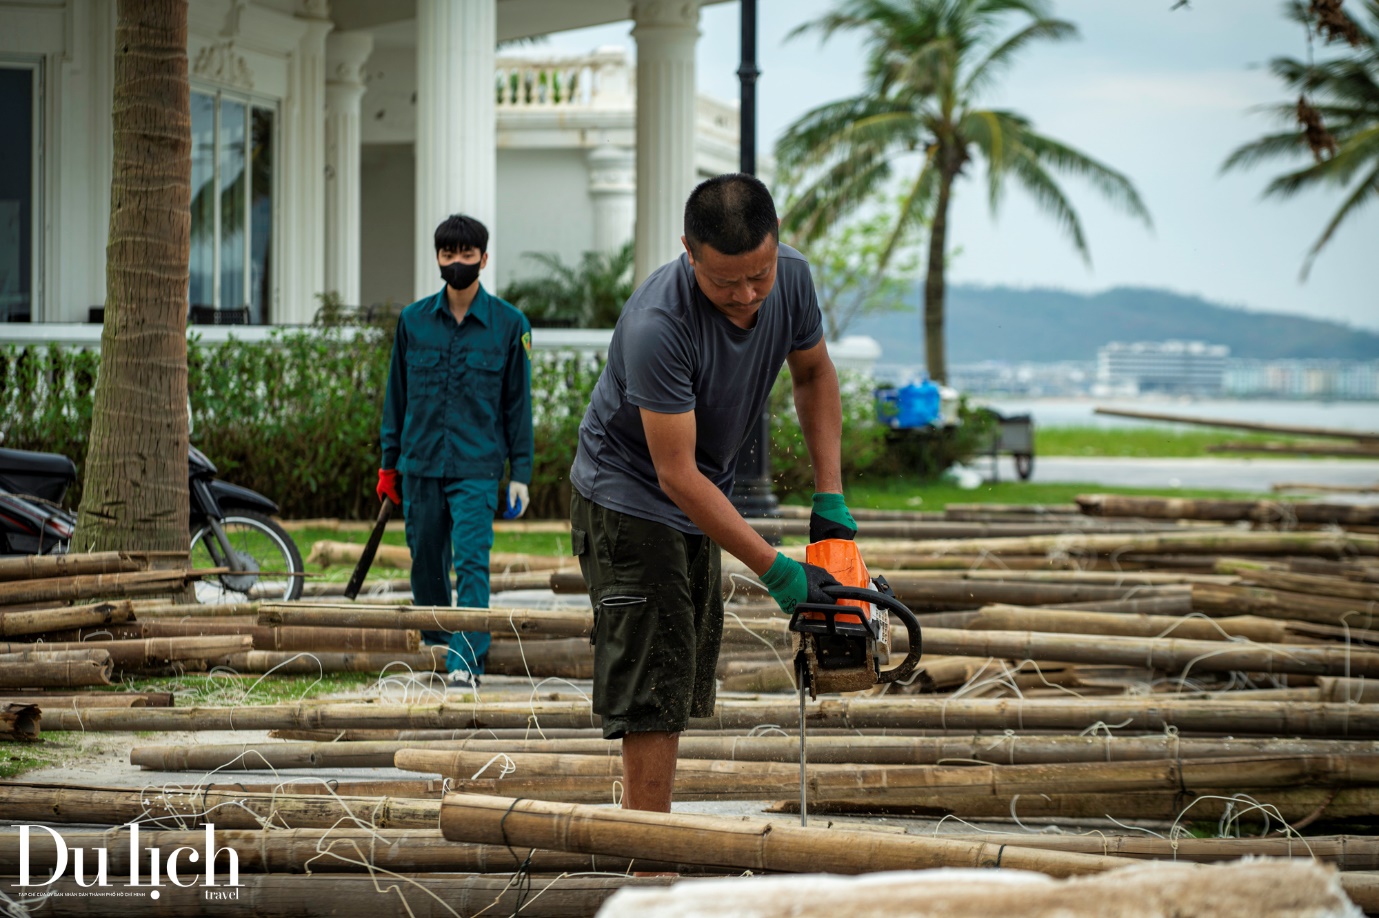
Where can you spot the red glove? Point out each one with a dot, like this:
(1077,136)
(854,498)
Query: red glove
(389,486)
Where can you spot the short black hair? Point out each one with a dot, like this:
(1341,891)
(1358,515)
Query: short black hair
(458,231)
(732,212)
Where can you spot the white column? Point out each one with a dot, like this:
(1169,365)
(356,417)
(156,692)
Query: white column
(457,137)
(302,184)
(346,53)
(666,32)
(613,188)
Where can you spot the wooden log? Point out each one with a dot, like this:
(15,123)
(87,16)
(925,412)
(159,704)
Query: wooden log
(1258,511)
(195,806)
(1014,749)
(525,622)
(1167,654)
(54,668)
(18,720)
(152,651)
(1214,599)
(1290,430)
(1150,715)
(717,841)
(336,850)
(1063,621)
(37,621)
(38,567)
(89,586)
(285,896)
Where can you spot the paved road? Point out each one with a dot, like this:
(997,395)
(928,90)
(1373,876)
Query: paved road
(1230,474)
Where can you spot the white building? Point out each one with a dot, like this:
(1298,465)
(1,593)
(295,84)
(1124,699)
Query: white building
(1177,367)
(331,136)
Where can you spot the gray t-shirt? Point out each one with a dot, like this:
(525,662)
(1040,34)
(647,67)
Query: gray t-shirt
(673,352)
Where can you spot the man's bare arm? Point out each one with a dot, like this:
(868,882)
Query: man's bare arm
(820,409)
(671,439)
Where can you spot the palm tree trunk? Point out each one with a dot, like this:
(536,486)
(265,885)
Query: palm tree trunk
(934,289)
(135,494)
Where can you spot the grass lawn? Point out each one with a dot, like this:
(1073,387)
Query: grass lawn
(1143,442)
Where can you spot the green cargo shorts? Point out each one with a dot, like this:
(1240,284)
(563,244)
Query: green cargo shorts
(658,618)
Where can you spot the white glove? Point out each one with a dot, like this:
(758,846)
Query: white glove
(518,498)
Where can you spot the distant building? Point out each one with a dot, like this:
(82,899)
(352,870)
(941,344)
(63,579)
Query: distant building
(1339,379)
(1168,367)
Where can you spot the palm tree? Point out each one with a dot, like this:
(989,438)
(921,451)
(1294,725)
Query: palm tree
(1335,120)
(928,64)
(588,294)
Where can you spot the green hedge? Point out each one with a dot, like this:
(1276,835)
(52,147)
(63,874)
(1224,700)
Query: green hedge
(296,418)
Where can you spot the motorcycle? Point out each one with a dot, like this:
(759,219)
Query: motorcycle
(231,526)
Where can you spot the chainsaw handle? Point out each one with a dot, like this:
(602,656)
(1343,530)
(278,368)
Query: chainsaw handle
(886,599)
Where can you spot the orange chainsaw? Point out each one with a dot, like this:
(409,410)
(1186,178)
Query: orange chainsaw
(842,646)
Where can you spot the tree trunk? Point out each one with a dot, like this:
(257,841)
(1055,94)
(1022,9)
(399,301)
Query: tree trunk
(935,356)
(135,493)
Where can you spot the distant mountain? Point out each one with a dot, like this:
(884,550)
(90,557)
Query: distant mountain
(1041,325)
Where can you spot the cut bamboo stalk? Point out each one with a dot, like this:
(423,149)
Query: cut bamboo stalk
(335,851)
(39,567)
(1303,583)
(1297,448)
(1347,852)
(525,622)
(1123,579)
(961,511)
(1176,604)
(1220,543)
(18,720)
(368,640)
(221,805)
(1287,429)
(1146,715)
(55,669)
(1167,654)
(1362,570)
(1063,621)
(88,586)
(1258,511)
(743,844)
(967,529)
(285,896)
(923,594)
(570,658)
(38,621)
(312,662)
(49,701)
(1014,749)
(152,651)
(146,610)
(1245,600)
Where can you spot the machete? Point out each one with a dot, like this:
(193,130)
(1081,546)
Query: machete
(361,569)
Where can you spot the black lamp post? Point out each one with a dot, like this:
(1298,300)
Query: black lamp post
(752,490)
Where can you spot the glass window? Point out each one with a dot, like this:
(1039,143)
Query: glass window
(18,160)
(232,209)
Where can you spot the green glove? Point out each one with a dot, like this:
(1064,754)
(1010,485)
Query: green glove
(830,518)
(791,583)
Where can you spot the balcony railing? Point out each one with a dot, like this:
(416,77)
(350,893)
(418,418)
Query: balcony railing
(603,79)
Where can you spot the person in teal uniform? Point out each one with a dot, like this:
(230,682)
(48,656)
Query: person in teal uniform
(456,413)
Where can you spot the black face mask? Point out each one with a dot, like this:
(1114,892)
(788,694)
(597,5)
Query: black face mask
(459,275)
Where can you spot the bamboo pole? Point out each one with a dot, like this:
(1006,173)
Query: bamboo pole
(1314,584)
(1220,543)
(1258,511)
(38,621)
(54,669)
(1241,425)
(1324,488)
(333,850)
(18,720)
(369,640)
(151,651)
(222,805)
(286,896)
(88,586)
(1297,448)
(38,567)
(1122,579)
(1362,570)
(1150,715)
(745,844)
(1063,621)
(525,622)
(312,662)
(1347,852)
(1214,599)
(1014,749)
(923,594)
(967,529)
(1167,654)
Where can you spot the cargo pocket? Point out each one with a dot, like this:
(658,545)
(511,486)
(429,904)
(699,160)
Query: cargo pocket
(612,608)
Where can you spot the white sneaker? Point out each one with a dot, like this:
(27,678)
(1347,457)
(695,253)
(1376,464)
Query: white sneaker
(462,680)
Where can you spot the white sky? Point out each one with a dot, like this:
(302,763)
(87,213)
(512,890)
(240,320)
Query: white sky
(1162,96)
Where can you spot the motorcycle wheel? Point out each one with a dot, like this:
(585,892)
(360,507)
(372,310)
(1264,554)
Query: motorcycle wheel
(274,564)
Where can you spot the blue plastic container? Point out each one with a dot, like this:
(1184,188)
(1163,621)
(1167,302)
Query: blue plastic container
(919,405)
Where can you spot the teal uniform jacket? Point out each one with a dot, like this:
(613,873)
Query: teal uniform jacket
(458,403)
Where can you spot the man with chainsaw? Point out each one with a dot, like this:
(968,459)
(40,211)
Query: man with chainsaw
(690,367)
(457,410)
